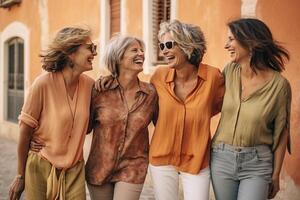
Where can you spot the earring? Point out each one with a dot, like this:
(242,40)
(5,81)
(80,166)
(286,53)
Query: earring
(71,64)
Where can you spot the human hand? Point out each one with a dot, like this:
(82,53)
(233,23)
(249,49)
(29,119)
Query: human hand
(36,146)
(274,187)
(103,83)
(16,188)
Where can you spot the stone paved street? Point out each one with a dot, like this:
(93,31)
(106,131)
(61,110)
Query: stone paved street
(8,167)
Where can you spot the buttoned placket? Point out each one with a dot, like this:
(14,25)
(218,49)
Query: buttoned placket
(138,101)
(239,106)
(176,155)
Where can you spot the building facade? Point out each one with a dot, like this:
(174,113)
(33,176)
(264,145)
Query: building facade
(26,27)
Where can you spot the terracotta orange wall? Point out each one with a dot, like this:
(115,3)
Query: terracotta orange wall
(74,12)
(60,14)
(26,13)
(211,16)
(134,17)
(283,18)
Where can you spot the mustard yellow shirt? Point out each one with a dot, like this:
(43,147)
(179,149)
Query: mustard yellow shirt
(258,120)
(182,133)
(59,122)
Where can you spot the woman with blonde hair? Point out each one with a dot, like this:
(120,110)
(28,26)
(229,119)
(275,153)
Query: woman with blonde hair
(121,112)
(190,94)
(56,114)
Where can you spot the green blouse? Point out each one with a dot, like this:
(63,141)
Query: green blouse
(260,118)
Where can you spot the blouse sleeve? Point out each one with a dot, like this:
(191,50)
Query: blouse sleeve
(33,106)
(155,109)
(282,119)
(92,110)
(219,93)
(225,69)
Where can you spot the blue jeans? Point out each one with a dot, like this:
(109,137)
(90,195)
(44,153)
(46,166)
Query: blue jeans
(241,173)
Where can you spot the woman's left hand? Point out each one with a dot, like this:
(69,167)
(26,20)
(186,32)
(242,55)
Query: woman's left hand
(274,187)
(36,146)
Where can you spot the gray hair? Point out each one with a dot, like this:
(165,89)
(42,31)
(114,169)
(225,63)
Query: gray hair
(189,38)
(115,50)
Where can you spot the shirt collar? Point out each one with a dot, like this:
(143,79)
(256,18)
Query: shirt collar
(142,86)
(202,73)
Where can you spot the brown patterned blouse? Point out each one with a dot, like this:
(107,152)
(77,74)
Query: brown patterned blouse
(120,144)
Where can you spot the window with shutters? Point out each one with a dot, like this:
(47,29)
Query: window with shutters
(161,11)
(15,78)
(115,8)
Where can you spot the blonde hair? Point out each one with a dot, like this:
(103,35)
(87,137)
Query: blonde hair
(115,50)
(189,38)
(66,42)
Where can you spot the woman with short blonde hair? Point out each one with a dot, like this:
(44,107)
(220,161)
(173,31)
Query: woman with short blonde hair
(190,93)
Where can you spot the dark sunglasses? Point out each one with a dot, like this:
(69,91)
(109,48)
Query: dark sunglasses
(92,47)
(167,44)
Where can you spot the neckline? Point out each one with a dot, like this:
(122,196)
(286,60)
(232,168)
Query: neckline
(71,101)
(255,91)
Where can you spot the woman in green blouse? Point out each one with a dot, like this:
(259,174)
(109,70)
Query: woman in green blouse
(253,133)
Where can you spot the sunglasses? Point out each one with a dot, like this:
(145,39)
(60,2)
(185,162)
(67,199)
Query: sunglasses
(167,44)
(92,47)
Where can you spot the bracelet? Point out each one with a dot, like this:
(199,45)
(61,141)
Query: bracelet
(19,176)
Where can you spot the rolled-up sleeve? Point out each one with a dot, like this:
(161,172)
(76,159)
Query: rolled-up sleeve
(32,107)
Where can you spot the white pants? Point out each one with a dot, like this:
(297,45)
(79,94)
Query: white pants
(166,183)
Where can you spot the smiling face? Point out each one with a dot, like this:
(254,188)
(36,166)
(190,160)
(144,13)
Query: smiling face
(84,56)
(237,52)
(133,58)
(174,56)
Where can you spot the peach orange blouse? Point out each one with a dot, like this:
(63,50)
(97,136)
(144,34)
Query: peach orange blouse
(59,122)
(182,132)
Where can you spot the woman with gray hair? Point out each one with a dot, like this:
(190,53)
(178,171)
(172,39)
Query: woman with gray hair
(190,93)
(121,111)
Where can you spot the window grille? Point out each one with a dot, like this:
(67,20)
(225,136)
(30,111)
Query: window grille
(15,86)
(161,11)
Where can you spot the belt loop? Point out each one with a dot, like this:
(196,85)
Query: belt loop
(222,146)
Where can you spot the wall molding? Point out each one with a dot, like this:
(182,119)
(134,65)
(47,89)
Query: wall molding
(14,29)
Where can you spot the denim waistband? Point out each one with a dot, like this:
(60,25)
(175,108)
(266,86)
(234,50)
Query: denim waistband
(237,149)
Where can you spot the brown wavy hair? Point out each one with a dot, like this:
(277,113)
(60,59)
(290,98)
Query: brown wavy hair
(254,35)
(66,42)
